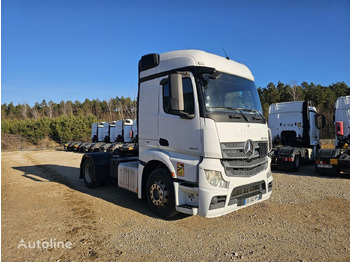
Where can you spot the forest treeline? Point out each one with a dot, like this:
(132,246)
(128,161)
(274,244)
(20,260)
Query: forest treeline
(64,121)
(67,121)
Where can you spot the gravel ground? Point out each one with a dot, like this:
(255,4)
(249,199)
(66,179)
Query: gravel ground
(307,218)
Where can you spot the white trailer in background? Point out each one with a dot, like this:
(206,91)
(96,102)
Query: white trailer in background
(295,131)
(202,140)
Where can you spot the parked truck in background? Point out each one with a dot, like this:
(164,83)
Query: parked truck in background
(127,131)
(122,131)
(337,160)
(107,134)
(97,132)
(107,129)
(116,131)
(202,140)
(295,131)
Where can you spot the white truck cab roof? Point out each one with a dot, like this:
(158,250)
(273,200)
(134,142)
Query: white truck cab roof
(188,58)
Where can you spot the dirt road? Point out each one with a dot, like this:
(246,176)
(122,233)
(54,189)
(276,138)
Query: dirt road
(49,215)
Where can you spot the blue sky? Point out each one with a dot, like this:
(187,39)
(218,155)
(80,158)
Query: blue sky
(76,49)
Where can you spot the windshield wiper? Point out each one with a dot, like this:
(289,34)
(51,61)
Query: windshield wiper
(234,109)
(255,111)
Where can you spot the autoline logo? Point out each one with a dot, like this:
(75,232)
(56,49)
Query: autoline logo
(52,243)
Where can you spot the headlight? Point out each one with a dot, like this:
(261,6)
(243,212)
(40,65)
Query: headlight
(215,179)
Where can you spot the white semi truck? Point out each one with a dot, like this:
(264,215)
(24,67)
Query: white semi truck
(97,133)
(295,130)
(335,161)
(127,131)
(120,131)
(202,141)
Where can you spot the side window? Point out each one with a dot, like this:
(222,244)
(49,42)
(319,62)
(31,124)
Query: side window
(166,98)
(187,95)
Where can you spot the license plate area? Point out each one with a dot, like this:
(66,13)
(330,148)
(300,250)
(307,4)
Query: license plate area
(324,166)
(248,199)
(251,199)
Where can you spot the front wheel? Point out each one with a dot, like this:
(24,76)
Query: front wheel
(160,193)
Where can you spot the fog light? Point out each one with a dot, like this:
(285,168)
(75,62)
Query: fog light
(217,202)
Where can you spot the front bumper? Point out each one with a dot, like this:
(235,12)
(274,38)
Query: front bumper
(242,191)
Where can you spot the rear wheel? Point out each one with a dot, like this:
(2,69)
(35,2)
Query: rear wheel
(160,193)
(296,163)
(89,174)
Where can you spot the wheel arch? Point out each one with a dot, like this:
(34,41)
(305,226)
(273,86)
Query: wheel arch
(147,170)
(151,160)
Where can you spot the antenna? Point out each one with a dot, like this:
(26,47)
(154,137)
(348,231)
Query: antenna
(225,53)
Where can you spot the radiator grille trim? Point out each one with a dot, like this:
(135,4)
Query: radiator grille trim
(238,164)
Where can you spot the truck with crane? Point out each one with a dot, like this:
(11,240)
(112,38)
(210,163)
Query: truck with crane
(202,140)
(337,161)
(295,130)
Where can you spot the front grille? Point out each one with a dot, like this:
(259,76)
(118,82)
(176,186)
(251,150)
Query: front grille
(238,164)
(245,171)
(236,149)
(249,189)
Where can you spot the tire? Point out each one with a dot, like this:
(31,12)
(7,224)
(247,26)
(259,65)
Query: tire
(160,193)
(307,159)
(89,174)
(296,163)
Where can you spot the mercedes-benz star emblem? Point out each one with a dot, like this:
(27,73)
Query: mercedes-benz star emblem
(249,148)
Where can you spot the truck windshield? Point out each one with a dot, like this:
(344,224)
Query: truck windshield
(224,93)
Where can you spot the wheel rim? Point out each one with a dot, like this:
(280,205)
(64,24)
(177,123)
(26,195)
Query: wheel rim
(159,193)
(88,173)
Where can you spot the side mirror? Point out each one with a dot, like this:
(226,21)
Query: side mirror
(176,92)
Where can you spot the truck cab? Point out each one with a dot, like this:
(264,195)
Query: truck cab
(205,128)
(203,142)
(97,132)
(342,121)
(295,130)
(337,161)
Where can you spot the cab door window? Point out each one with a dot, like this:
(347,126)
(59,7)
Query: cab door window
(187,96)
